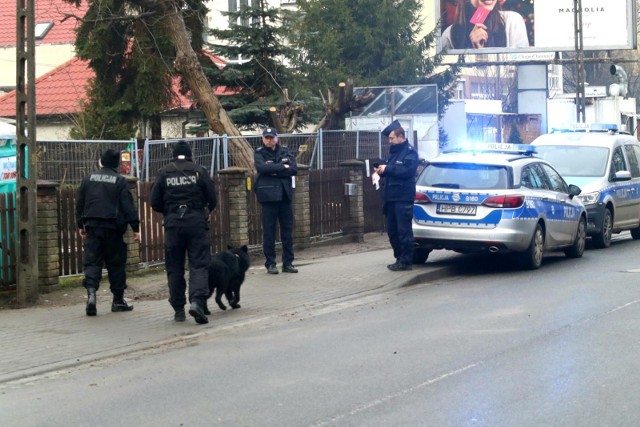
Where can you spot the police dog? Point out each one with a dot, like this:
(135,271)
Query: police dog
(226,274)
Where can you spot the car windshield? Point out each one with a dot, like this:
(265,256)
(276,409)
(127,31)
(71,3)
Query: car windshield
(464,176)
(570,160)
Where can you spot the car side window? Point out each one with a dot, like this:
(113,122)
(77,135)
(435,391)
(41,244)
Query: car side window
(634,168)
(555,180)
(533,178)
(525,178)
(617,163)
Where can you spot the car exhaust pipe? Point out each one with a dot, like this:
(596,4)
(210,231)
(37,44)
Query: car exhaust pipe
(494,249)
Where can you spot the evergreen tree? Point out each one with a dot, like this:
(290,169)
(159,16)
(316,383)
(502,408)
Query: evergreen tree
(135,48)
(373,42)
(514,134)
(130,60)
(255,75)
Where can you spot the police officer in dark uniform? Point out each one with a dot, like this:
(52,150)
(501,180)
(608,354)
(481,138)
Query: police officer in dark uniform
(398,172)
(274,188)
(104,208)
(185,194)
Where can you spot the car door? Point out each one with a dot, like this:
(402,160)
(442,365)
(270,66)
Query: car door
(534,178)
(620,191)
(633,192)
(564,214)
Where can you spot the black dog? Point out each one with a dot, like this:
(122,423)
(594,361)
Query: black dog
(226,274)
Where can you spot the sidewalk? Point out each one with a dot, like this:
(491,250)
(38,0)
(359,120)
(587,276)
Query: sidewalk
(44,339)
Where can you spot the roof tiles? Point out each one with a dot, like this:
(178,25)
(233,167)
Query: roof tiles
(55,11)
(61,91)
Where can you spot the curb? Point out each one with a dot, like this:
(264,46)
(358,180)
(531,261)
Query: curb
(411,278)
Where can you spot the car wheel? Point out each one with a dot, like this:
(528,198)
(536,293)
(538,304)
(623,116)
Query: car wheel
(420,255)
(603,238)
(635,233)
(531,259)
(577,249)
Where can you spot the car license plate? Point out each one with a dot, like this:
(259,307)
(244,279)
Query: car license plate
(456,209)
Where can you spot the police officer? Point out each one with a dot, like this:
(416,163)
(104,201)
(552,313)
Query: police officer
(274,189)
(104,208)
(185,194)
(398,171)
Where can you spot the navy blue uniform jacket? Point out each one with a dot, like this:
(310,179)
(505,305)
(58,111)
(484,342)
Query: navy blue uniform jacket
(273,183)
(400,173)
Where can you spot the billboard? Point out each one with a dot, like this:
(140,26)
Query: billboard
(528,26)
(399,100)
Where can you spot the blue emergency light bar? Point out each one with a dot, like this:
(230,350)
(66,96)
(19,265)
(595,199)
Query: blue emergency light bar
(492,147)
(587,127)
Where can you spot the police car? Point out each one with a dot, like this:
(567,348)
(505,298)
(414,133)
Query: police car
(497,198)
(605,163)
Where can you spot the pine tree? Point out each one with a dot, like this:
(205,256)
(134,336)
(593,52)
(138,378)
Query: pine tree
(256,75)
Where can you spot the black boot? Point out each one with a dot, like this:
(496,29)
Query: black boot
(119,304)
(91,302)
(179,315)
(197,311)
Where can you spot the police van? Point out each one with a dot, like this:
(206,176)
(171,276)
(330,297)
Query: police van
(605,163)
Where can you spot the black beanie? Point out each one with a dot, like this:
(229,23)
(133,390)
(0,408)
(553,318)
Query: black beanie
(182,148)
(110,159)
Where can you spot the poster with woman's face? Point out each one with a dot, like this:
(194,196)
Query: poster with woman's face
(504,26)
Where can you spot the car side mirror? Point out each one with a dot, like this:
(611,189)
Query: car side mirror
(622,176)
(574,190)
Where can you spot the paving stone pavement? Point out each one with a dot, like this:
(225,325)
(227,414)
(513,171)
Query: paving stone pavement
(45,339)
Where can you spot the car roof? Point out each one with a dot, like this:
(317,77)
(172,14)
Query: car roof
(485,158)
(588,139)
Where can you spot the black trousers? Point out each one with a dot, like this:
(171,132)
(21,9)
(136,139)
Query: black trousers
(399,219)
(178,243)
(272,213)
(105,246)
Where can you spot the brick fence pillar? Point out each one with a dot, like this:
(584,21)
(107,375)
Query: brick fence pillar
(301,210)
(355,200)
(234,181)
(133,247)
(48,235)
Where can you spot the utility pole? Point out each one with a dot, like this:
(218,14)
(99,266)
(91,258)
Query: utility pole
(580,95)
(26,254)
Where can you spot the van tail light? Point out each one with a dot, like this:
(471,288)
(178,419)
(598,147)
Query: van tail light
(504,202)
(422,199)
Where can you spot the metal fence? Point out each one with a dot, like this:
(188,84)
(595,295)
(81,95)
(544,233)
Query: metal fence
(68,161)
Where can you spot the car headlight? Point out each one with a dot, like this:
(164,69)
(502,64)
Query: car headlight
(589,198)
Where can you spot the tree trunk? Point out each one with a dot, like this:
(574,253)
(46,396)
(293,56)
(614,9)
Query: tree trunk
(335,107)
(189,67)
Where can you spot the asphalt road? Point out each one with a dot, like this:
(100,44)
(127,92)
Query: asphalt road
(489,346)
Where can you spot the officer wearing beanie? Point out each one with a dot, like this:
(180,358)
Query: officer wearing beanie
(104,208)
(398,173)
(185,194)
(274,188)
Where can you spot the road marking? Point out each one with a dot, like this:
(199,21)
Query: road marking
(387,398)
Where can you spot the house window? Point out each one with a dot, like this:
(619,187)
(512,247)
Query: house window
(460,89)
(480,90)
(42,28)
